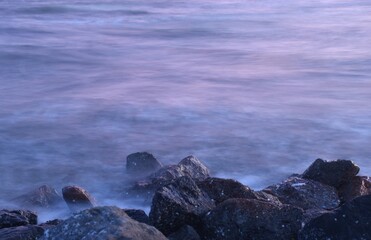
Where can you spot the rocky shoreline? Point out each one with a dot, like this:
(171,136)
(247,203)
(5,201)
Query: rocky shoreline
(327,201)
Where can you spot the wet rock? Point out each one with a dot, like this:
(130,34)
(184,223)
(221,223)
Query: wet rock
(185,233)
(29,232)
(304,193)
(220,189)
(14,218)
(43,197)
(251,219)
(332,173)
(102,223)
(50,224)
(179,203)
(142,163)
(138,215)
(77,198)
(189,166)
(357,186)
(351,221)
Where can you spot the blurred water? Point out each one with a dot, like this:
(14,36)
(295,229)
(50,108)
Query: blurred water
(255,89)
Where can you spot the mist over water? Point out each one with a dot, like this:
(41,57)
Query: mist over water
(255,89)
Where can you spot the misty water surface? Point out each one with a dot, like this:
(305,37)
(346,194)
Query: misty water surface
(255,89)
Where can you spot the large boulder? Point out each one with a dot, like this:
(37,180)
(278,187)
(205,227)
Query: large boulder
(77,198)
(28,232)
(43,197)
(179,203)
(189,166)
(102,223)
(14,218)
(351,221)
(241,219)
(220,189)
(332,173)
(138,215)
(304,193)
(142,163)
(185,233)
(357,186)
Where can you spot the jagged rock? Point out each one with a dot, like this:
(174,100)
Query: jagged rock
(50,224)
(351,221)
(77,198)
(241,219)
(14,218)
(102,223)
(189,166)
(29,232)
(179,203)
(220,189)
(332,173)
(138,215)
(267,197)
(185,233)
(43,197)
(142,163)
(357,186)
(304,193)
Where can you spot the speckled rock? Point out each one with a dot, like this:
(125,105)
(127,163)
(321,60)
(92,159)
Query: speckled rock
(28,232)
(351,221)
(142,163)
(102,223)
(189,166)
(177,204)
(77,198)
(138,215)
(43,197)
(332,173)
(14,218)
(357,186)
(304,193)
(241,219)
(185,233)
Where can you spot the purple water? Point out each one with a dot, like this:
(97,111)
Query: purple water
(255,89)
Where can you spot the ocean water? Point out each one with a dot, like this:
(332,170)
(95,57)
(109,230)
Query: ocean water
(255,89)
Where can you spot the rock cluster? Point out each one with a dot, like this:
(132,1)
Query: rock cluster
(327,201)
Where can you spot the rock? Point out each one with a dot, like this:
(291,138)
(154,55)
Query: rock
(220,189)
(138,215)
(179,203)
(357,186)
(77,198)
(14,218)
(29,232)
(190,166)
(266,197)
(50,223)
(332,173)
(304,193)
(251,219)
(351,221)
(102,223)
(43,197)
(185,233)
(142,163)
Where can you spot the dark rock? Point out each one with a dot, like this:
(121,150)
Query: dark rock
(357,186)
(14,218)
(29,232)
(267,197)
(306,194)
(177,204)
(142,163)
(42,197)
(251,219)
(185,233)
(351,221)
(190,166)
(77,198)
(50,224)
(332,173)
(102,223)
(220,189)
(138,215)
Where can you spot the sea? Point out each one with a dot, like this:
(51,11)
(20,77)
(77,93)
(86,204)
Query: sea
(255,89)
